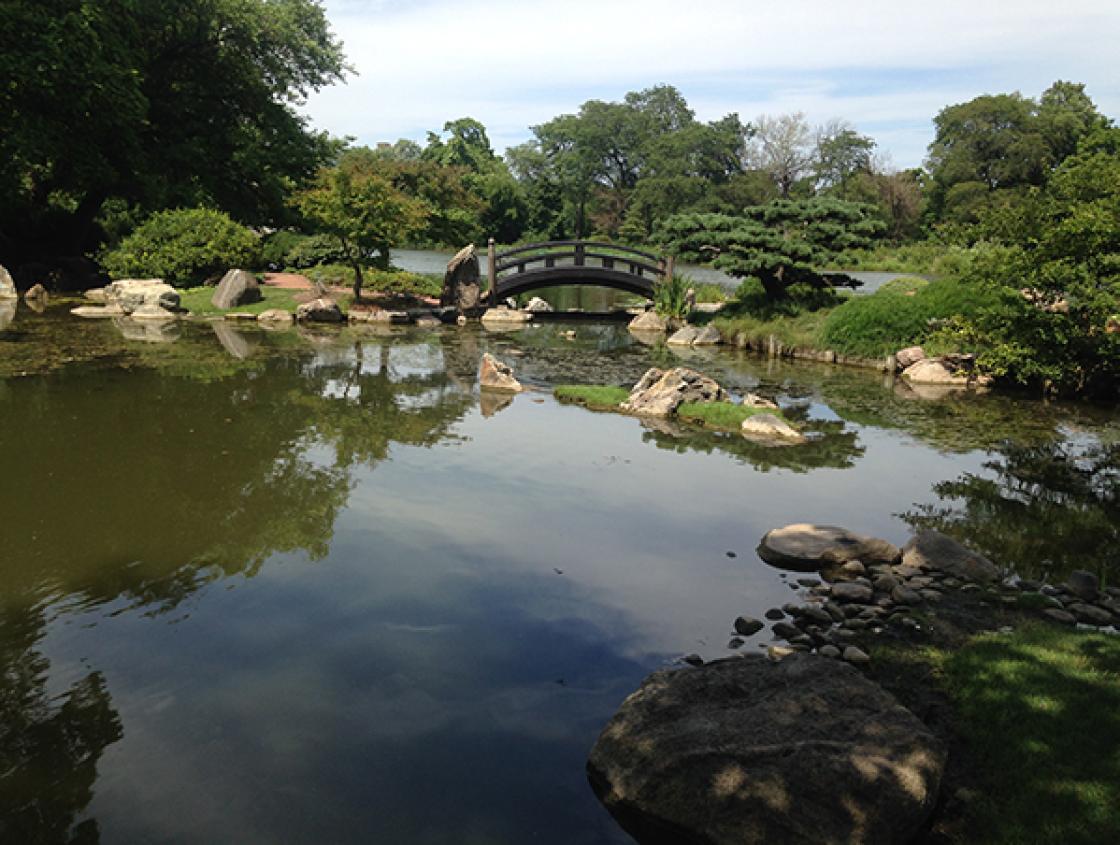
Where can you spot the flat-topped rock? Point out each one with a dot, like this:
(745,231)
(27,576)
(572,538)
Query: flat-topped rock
(807,547)
(502,314)
(276,317)
(684,336)
(97,311)
(932,550)
(749,750)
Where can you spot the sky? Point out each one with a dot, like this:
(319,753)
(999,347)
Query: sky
(885,66)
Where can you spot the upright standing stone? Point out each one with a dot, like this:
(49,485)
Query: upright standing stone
(461,286)
(237,288)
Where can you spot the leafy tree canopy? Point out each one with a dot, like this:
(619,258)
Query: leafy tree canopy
(172,102)
(783,243)
(992,148)
(357,203)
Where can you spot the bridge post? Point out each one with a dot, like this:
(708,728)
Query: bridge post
(492,273)
(579,254)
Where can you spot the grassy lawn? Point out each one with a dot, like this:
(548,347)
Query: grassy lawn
(1039,710)
(725,416)
(197,301)
(594,396)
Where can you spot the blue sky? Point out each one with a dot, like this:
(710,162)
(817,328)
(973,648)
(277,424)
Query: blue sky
(886,67)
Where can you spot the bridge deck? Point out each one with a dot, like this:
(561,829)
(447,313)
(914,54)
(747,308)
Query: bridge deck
(559,263)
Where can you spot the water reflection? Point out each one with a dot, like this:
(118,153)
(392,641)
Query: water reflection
(1043,510)
(311,592)
(50,743)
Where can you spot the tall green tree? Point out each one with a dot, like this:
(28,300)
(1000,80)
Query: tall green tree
(1055,264)
(989,151)
(162,103)
(359,206)
(784,244)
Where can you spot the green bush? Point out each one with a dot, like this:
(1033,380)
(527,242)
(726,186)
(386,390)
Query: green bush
(184,247)
(379,281)
(902,313)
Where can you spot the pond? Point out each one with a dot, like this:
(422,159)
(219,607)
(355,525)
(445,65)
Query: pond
(310,586)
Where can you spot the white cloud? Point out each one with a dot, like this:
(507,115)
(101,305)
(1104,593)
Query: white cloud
(886,66)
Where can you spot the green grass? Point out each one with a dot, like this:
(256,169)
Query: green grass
(197,301)
(800,330)
(597,397)
(376,281)
(725,416)
(1039,710)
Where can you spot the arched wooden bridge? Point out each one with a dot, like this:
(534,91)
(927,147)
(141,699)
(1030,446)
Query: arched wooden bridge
(561,263)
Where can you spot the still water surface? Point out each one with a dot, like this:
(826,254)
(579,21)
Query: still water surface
(311,587)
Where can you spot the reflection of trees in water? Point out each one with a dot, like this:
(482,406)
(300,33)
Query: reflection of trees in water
(49,746)
(149,485)
(830,445)
(1042,509)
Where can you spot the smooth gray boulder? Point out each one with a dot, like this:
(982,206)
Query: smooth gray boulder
(1083,584)
(747,750)
(237,288)
(659,393)
(807,547)
(929,549)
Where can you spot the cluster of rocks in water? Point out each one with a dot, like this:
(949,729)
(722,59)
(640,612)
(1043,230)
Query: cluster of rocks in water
(797,745)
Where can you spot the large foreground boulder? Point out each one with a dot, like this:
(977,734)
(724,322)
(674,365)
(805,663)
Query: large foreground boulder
(745,750)
(660,392)
(131,294)
(806,547)
(237,288)
(7,286)
(496,375)
(929,549)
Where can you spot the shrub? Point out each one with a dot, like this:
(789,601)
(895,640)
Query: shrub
(183,247)
(901,313)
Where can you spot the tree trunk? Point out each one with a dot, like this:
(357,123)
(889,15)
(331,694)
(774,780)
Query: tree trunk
(358,281)
(773,285)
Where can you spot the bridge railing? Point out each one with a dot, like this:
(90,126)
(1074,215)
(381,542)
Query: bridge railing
(551,254)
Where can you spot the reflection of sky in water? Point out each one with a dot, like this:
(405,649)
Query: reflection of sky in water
(435,676)
(485,605)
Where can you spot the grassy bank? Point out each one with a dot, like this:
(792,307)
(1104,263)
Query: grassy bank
(197,301)
(374,280)
(723,416)
(1035,714)
(597,397)
(903,312)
